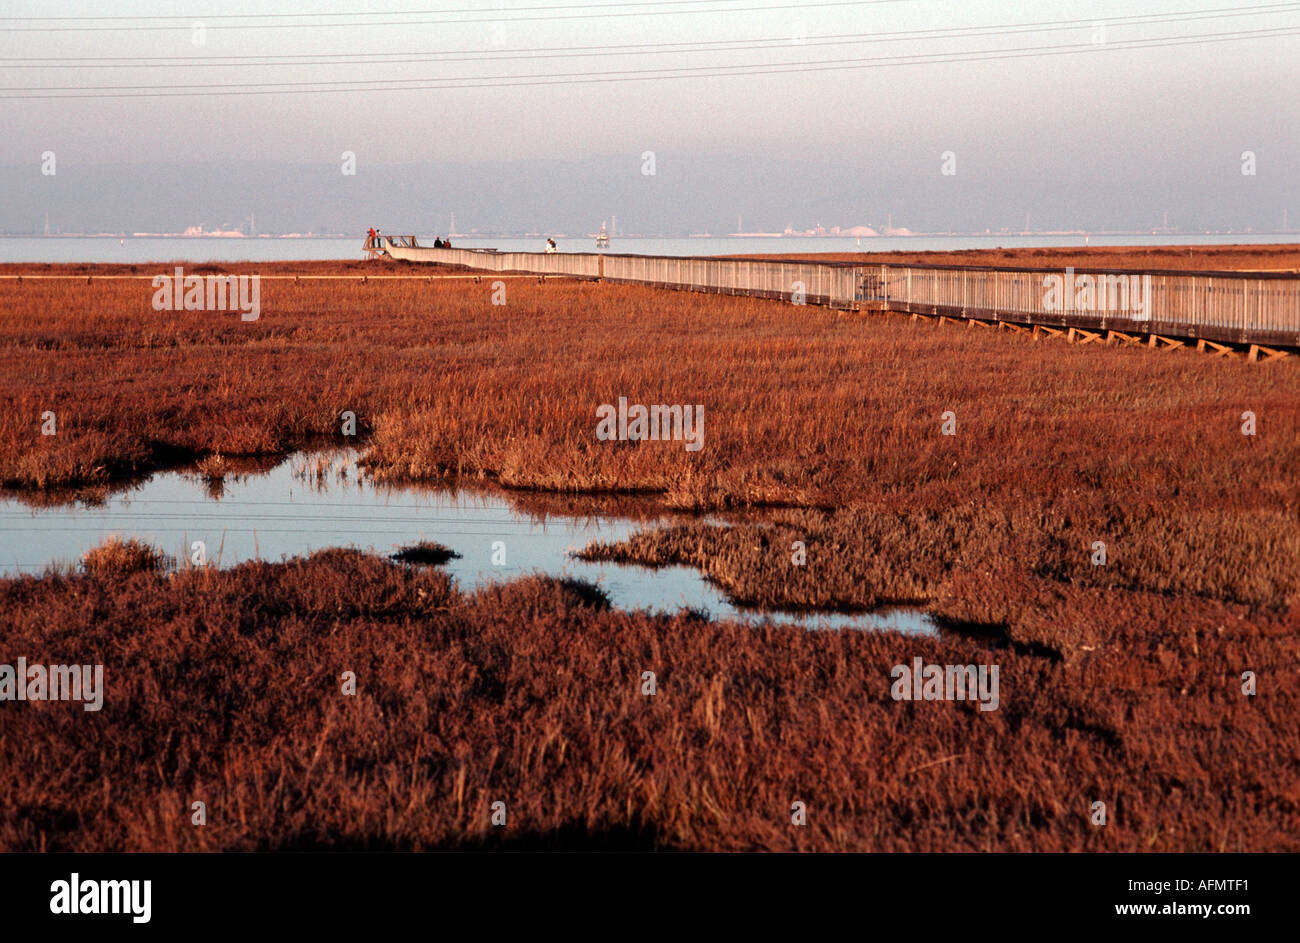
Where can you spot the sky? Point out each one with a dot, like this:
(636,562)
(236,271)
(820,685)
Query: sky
(1104,116)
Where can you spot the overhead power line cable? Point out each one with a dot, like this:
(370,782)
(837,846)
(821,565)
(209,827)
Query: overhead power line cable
(354,23)
(626,75)
(635,49)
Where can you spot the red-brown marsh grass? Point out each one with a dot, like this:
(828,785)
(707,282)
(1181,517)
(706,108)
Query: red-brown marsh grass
(804,406)
(226,686)
(864,558)
(1056,446)
(1121,683)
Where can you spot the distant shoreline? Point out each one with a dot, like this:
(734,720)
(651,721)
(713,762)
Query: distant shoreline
(1258,252)
(155,235)
(1279,258)
(881,237)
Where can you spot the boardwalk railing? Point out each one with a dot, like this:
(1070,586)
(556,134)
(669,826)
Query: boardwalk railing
(1228,307)
(580,265)
(811,282)
(1222,307)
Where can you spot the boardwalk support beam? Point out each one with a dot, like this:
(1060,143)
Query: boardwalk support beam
(1219,350)
(1268,353)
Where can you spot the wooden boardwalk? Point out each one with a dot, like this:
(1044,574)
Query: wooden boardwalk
(1222,312)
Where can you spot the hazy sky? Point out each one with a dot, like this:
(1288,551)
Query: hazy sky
(1112,115)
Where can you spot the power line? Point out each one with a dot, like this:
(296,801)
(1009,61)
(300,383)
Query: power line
(491,19)
(626,75)
(675,48)
(286,16)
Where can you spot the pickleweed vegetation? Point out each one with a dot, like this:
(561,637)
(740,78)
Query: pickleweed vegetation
(1111,535)
(535,693)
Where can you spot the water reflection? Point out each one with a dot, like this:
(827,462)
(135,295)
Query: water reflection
(311,502)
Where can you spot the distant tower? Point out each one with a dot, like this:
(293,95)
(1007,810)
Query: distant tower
(612,220)
(252,225)
(47,222)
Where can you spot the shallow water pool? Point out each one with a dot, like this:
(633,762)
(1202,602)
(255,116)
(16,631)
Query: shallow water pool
(311,502)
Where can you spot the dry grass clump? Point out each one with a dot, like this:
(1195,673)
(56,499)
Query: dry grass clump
(117,557)
(213,468)
(228,687)
(426,552)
